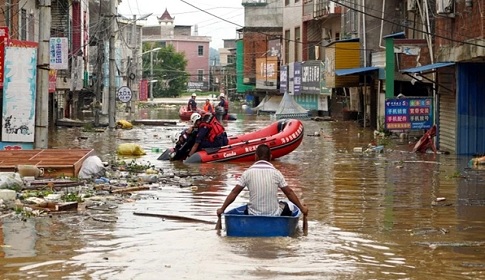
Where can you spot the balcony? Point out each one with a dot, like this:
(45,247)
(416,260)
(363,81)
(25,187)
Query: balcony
(254,2)
(325,9)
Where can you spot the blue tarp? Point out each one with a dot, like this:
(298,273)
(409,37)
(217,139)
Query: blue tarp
(353,71)
(428,67)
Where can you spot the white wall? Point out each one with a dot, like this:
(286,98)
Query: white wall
(292,15)
(264,16)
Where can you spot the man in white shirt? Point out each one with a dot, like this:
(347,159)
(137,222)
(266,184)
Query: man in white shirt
(263,181)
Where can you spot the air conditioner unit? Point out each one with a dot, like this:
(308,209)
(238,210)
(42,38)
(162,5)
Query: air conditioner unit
(411,5)
(445,6)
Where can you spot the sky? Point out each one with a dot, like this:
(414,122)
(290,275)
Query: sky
(219,21)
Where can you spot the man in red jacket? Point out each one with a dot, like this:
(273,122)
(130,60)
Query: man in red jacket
(210,133)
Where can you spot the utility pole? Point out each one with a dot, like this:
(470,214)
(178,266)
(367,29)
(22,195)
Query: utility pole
(135,47)
(41,139)
(112,66)
(99,70)
(134,65)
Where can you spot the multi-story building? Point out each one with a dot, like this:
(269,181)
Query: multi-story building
(184,39)
(331,51)
(459,53)
(223,76)
(259,48)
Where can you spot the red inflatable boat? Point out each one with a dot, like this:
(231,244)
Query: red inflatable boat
(282,137)
(184,114)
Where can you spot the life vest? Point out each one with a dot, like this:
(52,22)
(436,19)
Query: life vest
(208,108)
(215,128)
(226,105)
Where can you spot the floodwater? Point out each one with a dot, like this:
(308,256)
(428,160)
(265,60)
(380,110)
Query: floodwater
(372,216)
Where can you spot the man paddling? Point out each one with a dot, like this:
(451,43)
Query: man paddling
(263,181)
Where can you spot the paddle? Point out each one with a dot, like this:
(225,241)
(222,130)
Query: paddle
(174,217)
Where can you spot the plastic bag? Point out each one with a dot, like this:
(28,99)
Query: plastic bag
(130,149)
(124,124)
(11,181)
(92,167)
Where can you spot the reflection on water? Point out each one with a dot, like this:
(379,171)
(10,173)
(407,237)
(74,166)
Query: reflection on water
(372,216)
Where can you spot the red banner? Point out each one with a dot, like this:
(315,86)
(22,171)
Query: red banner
(3,37)
(21,44)
(52,80)
(143,90)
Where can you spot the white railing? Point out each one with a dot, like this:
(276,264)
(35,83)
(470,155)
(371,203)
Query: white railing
(254,2)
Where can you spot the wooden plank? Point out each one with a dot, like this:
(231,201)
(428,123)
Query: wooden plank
(154,122)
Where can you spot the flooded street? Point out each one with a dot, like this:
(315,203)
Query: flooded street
(372,216)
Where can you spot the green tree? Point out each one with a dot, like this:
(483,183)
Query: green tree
(168,69)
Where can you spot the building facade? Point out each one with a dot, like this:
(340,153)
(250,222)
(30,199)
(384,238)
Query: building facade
(185,40)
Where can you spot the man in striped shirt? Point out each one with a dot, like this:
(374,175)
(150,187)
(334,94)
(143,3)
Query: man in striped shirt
(263,181)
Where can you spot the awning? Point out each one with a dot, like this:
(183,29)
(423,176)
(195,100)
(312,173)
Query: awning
(427,68)
(353,71)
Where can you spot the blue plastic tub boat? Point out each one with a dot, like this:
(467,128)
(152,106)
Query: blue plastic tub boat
(242,225)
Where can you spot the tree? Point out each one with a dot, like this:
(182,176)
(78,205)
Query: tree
(168,70)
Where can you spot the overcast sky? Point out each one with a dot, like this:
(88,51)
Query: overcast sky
(189,14)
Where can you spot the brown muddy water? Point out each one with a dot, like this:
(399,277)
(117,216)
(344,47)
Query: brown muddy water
(372,216)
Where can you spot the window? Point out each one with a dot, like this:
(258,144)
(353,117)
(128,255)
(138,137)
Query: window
(128,37)
(200,75)
(200,50)
(31,27)
(23,24)
(287,2)
(297,43)
(287,46)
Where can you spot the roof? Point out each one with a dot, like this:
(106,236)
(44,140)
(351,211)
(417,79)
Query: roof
(354,71)
(289,108)
(166,16)
(398,35)
(427,68)
(351,40)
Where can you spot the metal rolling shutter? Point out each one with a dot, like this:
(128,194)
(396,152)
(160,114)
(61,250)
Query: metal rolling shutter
(447,122)
(446,109)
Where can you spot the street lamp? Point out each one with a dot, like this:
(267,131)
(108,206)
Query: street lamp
(151,69)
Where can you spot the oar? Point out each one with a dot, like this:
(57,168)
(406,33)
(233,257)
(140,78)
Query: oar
(174,217)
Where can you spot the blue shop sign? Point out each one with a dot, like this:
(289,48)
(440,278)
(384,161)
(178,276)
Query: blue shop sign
(409,113)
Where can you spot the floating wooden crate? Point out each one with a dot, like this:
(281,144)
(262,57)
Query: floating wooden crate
(56,162)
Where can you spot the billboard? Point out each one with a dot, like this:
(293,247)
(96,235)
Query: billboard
(409,113)
(310,76)
(58,48)
(267,72)
(19,91)
(283,78)
(3,38)
(143,90)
